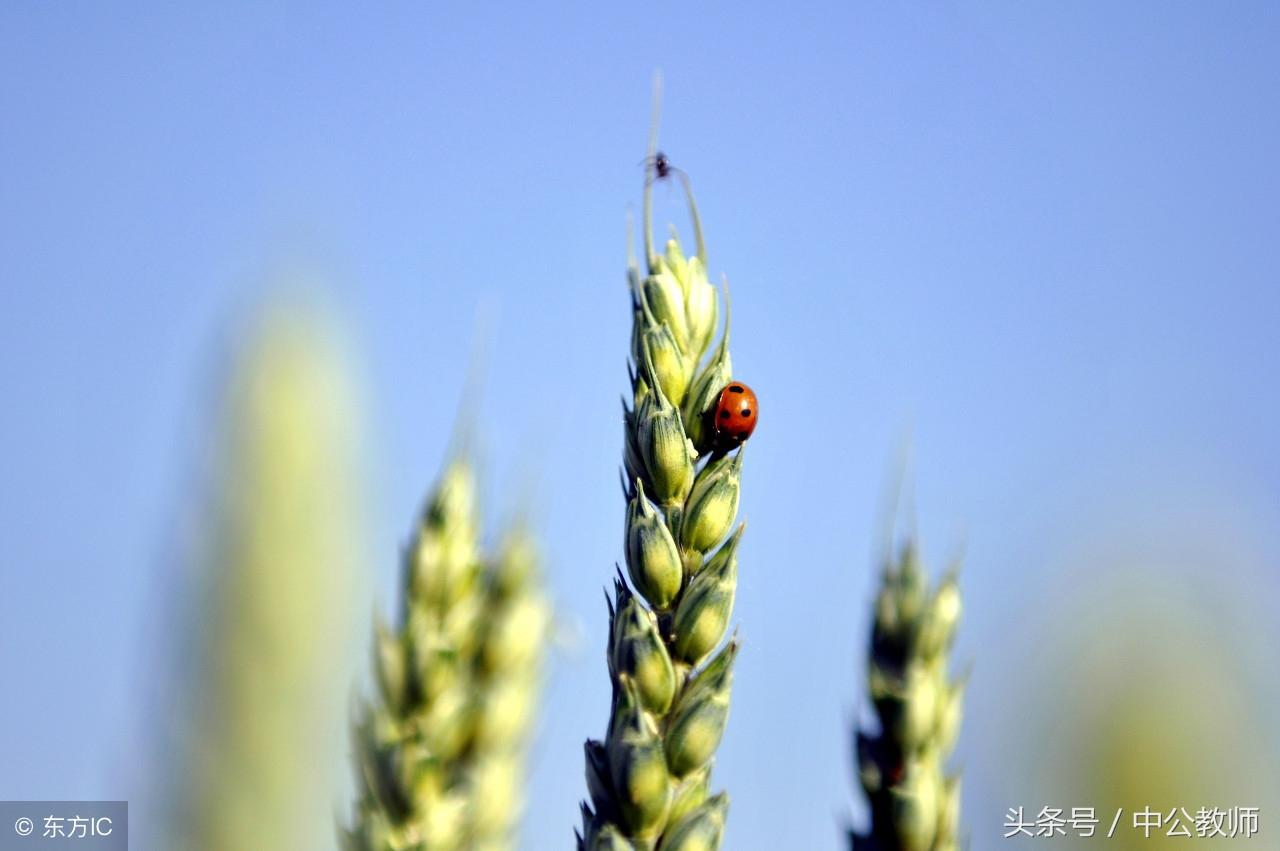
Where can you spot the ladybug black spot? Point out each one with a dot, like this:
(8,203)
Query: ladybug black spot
(724,415)
(743,435)
(746,413)
(735,388)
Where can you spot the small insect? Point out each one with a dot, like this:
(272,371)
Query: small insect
(734,415)
(661,167)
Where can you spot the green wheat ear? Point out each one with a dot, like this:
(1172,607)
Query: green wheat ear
(440,750)
(262,756)
(914,805)
(649,778)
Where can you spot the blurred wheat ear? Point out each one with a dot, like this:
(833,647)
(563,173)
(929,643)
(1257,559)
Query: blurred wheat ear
(914,805)
(263,690)
(440,748)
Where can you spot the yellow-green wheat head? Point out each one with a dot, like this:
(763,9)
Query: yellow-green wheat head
(671,670)
(914,804)
(261,711)
(440,750)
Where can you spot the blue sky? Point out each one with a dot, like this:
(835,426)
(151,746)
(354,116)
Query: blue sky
(1037,241)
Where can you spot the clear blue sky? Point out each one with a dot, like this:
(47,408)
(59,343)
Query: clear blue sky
(1037,240)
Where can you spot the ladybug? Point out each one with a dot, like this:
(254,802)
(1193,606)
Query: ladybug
(734,415)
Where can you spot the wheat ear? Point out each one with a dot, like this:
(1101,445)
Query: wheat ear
(440,750)
(914,805)
(671,671)
(261,688)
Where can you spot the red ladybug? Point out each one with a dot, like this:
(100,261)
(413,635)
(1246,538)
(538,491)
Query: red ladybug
(734,415)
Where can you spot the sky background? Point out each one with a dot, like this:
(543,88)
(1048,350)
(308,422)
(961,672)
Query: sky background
(1035,242)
